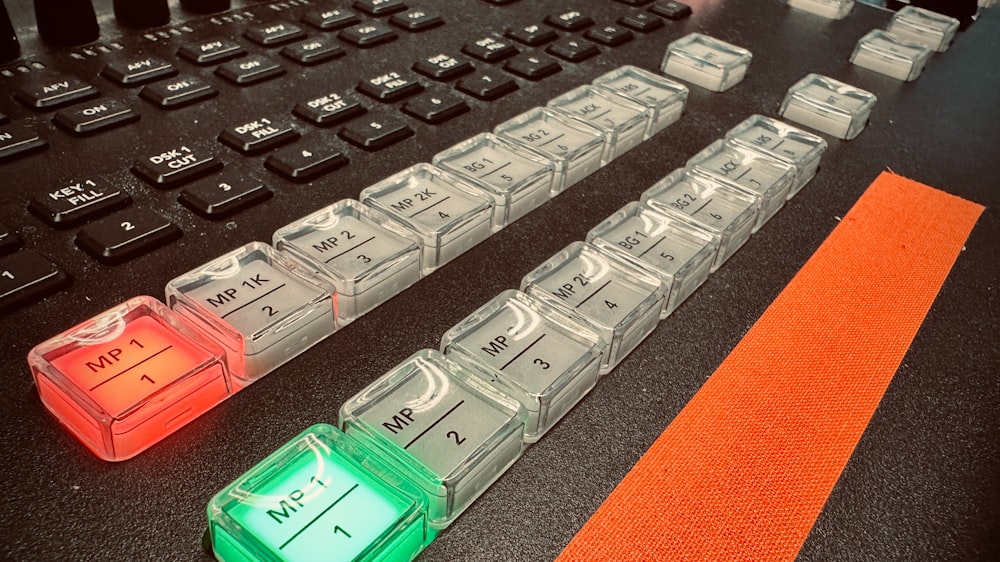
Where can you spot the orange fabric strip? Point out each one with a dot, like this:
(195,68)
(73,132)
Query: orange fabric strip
(745,468)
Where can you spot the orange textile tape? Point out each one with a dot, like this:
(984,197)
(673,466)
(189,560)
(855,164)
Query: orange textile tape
(745,468)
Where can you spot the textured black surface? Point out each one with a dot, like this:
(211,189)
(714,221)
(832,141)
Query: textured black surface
(922,485)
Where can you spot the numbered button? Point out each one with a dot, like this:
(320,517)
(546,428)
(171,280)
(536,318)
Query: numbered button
(530,352)
(366,256)
(221,197)
(375,134)
(619,301)
(447,215)
(663,99)
(435,106)
(784,142)
(622,122)
(26,277)
(829,106)
(128,377)
(706,62)
(441,427)
(261,306)
(126,235)
(319,493)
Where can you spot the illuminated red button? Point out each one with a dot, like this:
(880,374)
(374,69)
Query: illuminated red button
(129,377)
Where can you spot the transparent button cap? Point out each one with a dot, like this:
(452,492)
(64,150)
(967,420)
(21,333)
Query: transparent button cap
(680,254)
(728,213)
(622,122)
(534,354)
(830,9)
(575,149)
(264,308)
(924,27)
(621,302)
(706,61)
(890,55)
(663,98)
(441,426)
(366,257)
(518,180)
(828,105)
(784,142)
(446,214)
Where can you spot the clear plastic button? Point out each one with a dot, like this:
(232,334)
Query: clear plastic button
(768,178)
(728,213)
(532,353)
(446,214)
(664,99)
(707,62)
(441,427)
(619,301)
(367,257)
(924,27)
(574,148)
(622,122)
(828,105)
(319,493)
(519,181)
(680,254)
(830,9)
(784,142)
(129,377)
(887,54)
(264,308)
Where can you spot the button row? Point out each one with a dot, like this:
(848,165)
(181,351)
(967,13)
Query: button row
(451,422)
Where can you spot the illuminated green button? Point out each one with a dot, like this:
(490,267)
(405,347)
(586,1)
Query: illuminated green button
(313,498)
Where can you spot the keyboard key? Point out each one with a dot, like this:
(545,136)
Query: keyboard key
(250,70)
(671,10)
(518,180)
(225,195)
(263,308)
(52,91)
(137,70)
(530,352)
(447,215)
(73,203)
(183,90)
(663,99)
(610,35)
(348,505)
(490,49)
(379,7)
(332,19)
(368,34)
(487,85)
(274,33)
(313,51)
(532,35)
(9,240)
(375,134)
(622,122)
(435,107)
(390,86)
(26,277)
(768,178)
(306,160)
(887,54)
(329,109)
(706,62)
(174,166)
(784,142)
(96,116)
(728,213)
(641,22)
(16,140)
(619,301)
(128,377)
(259,135)
(831,9)
(443,67)
(477,432)
(126,235)
(923,27)
(366,255)
(829,106)
(416,20)
(575,149)
(679,254)
(570,21)
(212,51)
(532,67)
(573,50)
